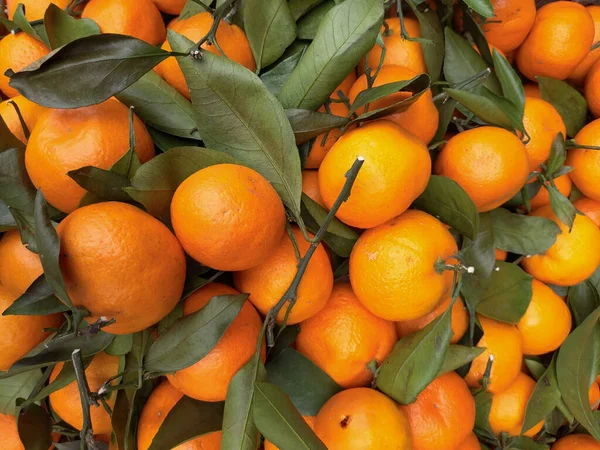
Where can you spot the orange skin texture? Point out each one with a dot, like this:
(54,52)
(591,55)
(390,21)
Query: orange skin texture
(591,90)
(228,217)
(395,172)
(578,76)
(29,110)
(362,418)
(421,118)
(443,415)
(501,255)
(470,443)
(344,337)
(489,163)
(68,139)
(173,7)
(310,186)
(587,206)
(502,340)
(576,441)
(20,334)
(542,198)
(542,123)
(508,408)
(511,23)
(546,323)
(234,349)
(163,398)
(559,40)
(594,395)
(17,51)
(267,282)
(140,19)
(34,9)
(398,51)
(460,320)
(10,433)
(310,420)
(231,39)
(66,402)
(392,266)
(532,90)
(19,267)
(586,163)
(104,257)
(572,258)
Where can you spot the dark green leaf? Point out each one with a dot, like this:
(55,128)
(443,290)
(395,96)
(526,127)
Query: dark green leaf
(458,356)
(446,200)
(562,206)
(472,25)
(544,398)
(309,24)
(483,404)
(121,345)
(309,124)
(16,189)
(558,155)
(340,245)
(7,221)
(61,28)
(25,225)
(275,78)
(7,139)
(523,235)
(301,7)
(335,227)
(445,110)
(346,33)
(18,386)
(76,445)
(569,103)
(285,338)
(583,299)
(193,336)
(37,300)
(512,86)
(238,115)
(166,142)
(481,7)
(192,8)
(104,184)
(431,30)
(21,21)
(97,68)
(526,443)
(35,425)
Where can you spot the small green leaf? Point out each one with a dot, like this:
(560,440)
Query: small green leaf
(481,7)
(569,103)
(445,111)
(21,21)
(583,299)
(104,184)
(309,24)
(458,356)
(25,225)
(526,443)
(16,190)
(472,25)
(523,235)
(309,124)
(558,155)
(431,31)
(483,404)
(35,426)
(37,300)
(275,78)
(512,86)
(62,28)
(562,206)
(166,142)
(18,386)
(544,398)
(340,245)
(121,345)
(335,227)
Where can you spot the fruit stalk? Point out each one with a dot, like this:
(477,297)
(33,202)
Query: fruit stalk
(87,438)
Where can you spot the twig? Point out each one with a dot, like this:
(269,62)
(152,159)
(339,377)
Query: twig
(86,435)
(21,120)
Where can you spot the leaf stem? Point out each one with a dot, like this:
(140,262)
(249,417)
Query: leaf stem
(86,435)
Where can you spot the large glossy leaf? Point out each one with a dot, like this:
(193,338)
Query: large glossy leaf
(458,356)
(544,398)
(346,33)
(521,234)
(309,124)
(62,28)
(16,189)
(238,115)
(37,300)
(567,100)
(18,386)
(97,68)
(270,28)
(431,30)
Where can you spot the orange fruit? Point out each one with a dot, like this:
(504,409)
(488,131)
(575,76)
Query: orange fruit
(470,443)
(17,51)
(546,323)
(344,337)
(140,285)
(503,342)
(140,19)
(501,255)
(542,198)
(20,334)
(66,401)
(594,395)
(591,91)
(19,267)
(542,123)
(310,186)
(395,172)
(572,258)
(559,40)
(230,38)
(587,206)
(163,398)
(421,118)
(532,90)
(507,412)
(310,420)
(228,217)
(173,7)
(578,76)
(68,139)
(362,418)
(460,320)
(267,282)
(398,51)
(576,441)
(511,23)
(9,432)
(392,267)
(29,110)
(34,9)
(489,163)
(586,163)
(234,349)
(443,415)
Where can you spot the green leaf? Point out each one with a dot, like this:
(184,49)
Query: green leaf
(7,220)
(569,103)
(25,225)
(188,419)
(526,443)
(481,7)
(279,421)
(270,28)
(37,300)
(340,245)
(159,105)
(193,336)
(121,345)
(97,68)
(583,299)
(416,360)
(301,7)
(471,24)
(574,371)
(558,155)
(155,182)
(309,24)
(483,404)
(166,142)
(21,21)
(336,227)
(104,184)
(446,200)
(35,425)
(310,124)
(192,8)
(76,445)
(7,139)
(512,87)
(275,78)
(238,115)
(306,384)
(18,386)
(458,356)
(346,33)
(544,398)
(62,28)
(521,234)
(431,30)
(445,111)
(562,206)
(16,190)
